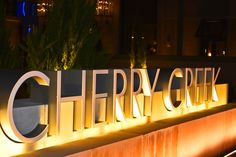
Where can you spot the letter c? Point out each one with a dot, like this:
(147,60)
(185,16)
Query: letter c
(7,120)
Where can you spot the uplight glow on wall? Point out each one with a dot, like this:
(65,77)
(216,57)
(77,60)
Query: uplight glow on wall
(76,104)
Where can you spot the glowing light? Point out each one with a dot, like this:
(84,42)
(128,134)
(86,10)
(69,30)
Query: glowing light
(144,65)
(231,153)
(29,29)
(136,110)
(42,8)
(209,54)
(188,72)
(214,95)
(168,103)
(223,52)
(7,145)
(103,7)
(23,8)
(119,113)
(188,101)
(146,83)
(132,62)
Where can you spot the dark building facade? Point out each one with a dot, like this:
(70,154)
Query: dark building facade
(166,27)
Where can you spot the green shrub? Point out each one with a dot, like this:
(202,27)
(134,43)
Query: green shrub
(69,39)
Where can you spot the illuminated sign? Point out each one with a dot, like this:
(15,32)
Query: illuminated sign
(80,103)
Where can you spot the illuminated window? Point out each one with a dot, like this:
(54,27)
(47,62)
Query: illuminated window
(104,7)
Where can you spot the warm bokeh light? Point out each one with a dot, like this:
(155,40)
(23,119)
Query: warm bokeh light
(104,7)
(209,54)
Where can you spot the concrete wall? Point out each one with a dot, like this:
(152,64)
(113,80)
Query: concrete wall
(199,134)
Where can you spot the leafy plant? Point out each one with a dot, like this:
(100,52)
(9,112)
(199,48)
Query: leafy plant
(9,57)
(69,39)
(137,53)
